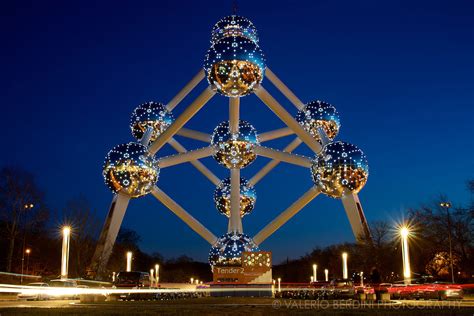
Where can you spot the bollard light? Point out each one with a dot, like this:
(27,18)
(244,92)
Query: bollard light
(326,275)
(129,261)
(345,274)
(279,284)
(315,275)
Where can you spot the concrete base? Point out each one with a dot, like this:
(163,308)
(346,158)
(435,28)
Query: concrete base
(241,290)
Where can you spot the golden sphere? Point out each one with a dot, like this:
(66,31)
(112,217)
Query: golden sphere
(248,197)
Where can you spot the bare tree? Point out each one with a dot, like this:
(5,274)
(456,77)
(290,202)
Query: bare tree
(21,205)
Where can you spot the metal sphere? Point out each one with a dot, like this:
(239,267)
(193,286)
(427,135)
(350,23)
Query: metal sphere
(235,150)
(248,197)
(234,65)
(319,115)
(339,169)
(129,168)
(228,249)
(234,25)
(150,114)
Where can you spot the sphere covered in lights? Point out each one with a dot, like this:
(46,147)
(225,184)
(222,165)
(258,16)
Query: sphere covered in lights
(234,65)
(234,25)
(228,249)
(235,150)
(319,115)
(339,169)
(150,114)
(130,169)
(248,196)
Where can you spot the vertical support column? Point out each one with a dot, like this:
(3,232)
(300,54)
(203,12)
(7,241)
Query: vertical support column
(235,220)
(356,216)
(108,235)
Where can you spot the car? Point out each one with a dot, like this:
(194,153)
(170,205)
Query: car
(339,289)
(134,280)
(394,289)
(442,291)
(64,283)
(32,295)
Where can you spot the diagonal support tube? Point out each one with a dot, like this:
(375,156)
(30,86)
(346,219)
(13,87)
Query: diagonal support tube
(272,164)
(186,89)
(280,111)
(286,215)
(183,215)
(196,163)
(188,156)
(187,114)
(278,133)
(284,89)
(189,133)
(283,156)
(356,216)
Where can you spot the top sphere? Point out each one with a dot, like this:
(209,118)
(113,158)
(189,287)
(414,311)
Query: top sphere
(234,25)
(340,168)
(228,249)
(129,168)
(150,114)
(319,115)
(234,65)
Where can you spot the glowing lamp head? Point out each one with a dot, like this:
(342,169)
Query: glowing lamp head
(228,249)
(234,25)
(28,251)
(319,115)
(340,168)
(66,230)
(404,232)
(234,65)
(151,114)
(344,255)
(235,150)
(248,196)
(129,168)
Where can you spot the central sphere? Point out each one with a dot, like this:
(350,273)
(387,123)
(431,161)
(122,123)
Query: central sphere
(234,25)
(319,115)
(248,196)
(339,169)
(129,168)
(234,65)
(235,150)
(228,249)
(150,114)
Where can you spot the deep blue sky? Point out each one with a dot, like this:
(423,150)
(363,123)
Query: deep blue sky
(401,74)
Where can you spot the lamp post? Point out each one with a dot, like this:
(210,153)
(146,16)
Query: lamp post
(315,269)
(129,261)
(279,284)
(404,233)
(28,251)
(361,278)
(151,277)
(65,252)
(326,275)
(312,279)
(447,206)
(157,273)
(192,280)
(345,274)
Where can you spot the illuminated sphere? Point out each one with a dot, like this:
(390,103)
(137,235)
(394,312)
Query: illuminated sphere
(319,114)
(248,196)
(234,25)
(150,114)
(130,169)
(235,150)
(340,168)
(228,249)
(234,65)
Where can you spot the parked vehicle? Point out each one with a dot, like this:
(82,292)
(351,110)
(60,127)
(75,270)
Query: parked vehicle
(339,289)
(32,295)
(134,280)
(64,283)
(442,291)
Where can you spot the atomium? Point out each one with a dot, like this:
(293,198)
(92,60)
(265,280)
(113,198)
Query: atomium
(228,249)
(235,150)
(248,197)
(150,114)
(130,169)
(234,65)
(319,115)
(234,25)
(340,168)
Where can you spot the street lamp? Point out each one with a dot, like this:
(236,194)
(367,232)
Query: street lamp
(151,277)
(279,284)
(361,278)
(345,274)
(447,206)
(326,275)
(315,276)
(129,261)
(157,273)
(312,279)
(28,251)
(404,233)
(65,252)
(192,280)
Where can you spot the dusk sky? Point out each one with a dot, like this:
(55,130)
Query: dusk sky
(400,73)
